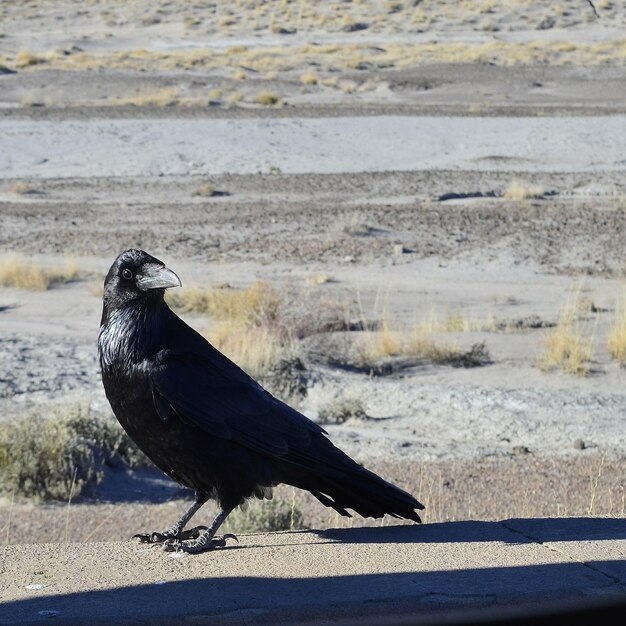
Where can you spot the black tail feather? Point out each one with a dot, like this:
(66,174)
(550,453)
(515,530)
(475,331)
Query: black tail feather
(351,486)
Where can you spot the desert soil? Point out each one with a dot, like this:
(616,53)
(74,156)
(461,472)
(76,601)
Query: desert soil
(388,178)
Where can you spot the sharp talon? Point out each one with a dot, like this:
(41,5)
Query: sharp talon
(192,533)
(143,537)
(230,536)
(157,537)
(171,545)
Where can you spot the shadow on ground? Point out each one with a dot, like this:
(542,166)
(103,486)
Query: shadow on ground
(509,531)
(251,599)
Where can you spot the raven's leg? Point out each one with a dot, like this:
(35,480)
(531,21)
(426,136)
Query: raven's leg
(176,531)
(205,541)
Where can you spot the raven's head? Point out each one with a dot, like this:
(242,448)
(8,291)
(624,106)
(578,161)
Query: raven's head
(134,278)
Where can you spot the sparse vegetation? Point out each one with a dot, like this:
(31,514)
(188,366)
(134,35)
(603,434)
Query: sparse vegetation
(616,342)
(262,516)
(47,457)
(566,347)
(22,188)
(267,98)
(159,98)
(375,346)
(215,94)
(354,223)
(254,304)
(320,278)
(519,190)
(259,326)
(234,97)
(24,58)
(309,78)
(340,410)
(206,190)
(22,274)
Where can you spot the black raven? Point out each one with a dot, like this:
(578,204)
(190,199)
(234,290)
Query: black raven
(206,423)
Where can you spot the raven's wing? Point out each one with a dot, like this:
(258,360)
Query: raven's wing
(211,392)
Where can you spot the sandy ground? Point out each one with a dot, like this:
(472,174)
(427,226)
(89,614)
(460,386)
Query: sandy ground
(389,179)
(401,574)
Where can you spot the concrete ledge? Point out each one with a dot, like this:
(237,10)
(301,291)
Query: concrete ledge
(393,573)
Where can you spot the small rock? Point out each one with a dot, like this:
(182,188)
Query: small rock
(579,444)
(518,450)
(354,27)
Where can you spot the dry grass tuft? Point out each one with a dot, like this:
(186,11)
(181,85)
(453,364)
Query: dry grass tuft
(518,190)
(25,58)
(160,98)
(309,78)
(319,278)
(254,348)
(267,98)
(206,191)
(22,274)
(234,98)
(387,341)
(215,94)
(616,341)
(21,188)
(566,347)
(257,302)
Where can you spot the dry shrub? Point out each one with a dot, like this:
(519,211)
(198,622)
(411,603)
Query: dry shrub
(262,516)
(22,274)
(309,78)
(50,457)
(340,410)
(519,190)
(267,98)
(25,58)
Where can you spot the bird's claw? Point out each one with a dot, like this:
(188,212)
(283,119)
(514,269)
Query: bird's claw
(197,544)
(170,535)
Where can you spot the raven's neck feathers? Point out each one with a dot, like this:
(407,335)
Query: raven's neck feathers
(130,334)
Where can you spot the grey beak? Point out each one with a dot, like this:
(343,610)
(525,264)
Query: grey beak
(157,277)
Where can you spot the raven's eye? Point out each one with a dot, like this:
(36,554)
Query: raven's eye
(127,274)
